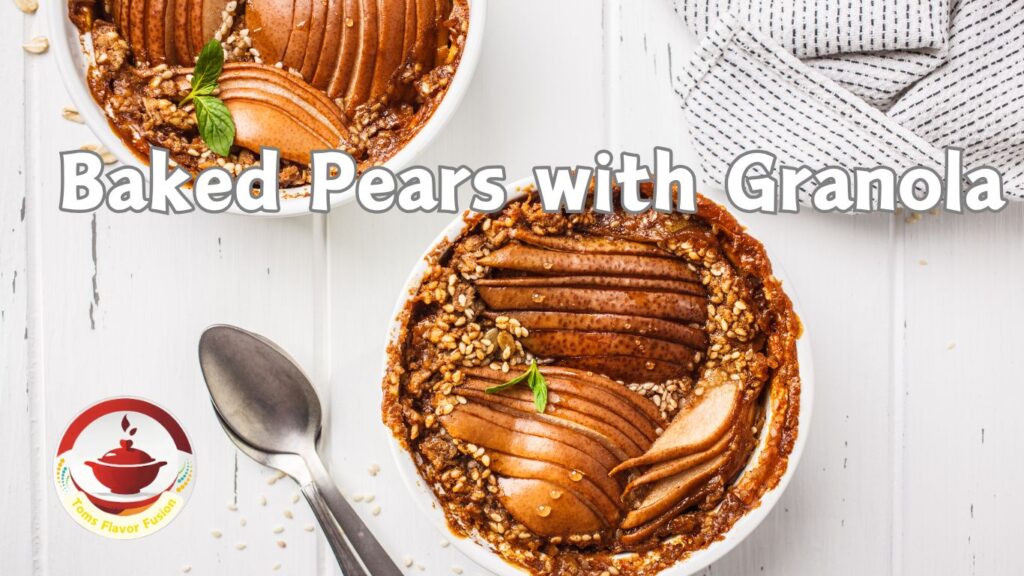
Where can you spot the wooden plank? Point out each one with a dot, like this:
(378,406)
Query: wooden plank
(17,418)
(122,302)
(834,516)
(535,100)
(962,478)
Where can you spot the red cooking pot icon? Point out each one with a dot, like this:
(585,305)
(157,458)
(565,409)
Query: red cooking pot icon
(125,470)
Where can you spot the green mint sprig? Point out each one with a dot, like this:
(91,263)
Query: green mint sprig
(534,379)
(216,127)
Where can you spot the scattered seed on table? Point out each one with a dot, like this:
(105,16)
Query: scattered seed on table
(282,544)
(409,562)
(216,533)
(376,511)
(374,469)
(27,6)
(263,500)
(242,521)
(309,528)
(288,514)
(295,498)
(186,568)
(240,546)
(37,45)
(104,154)
(72,115)
(278,529)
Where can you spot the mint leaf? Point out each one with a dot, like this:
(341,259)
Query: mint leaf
(534,379)
(215,124)
(502,387)
(208,67)
(540,389)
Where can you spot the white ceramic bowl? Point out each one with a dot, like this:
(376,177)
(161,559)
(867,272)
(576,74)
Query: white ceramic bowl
(73,64)
(480,551)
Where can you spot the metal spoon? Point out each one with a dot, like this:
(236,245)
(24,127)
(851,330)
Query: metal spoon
(268,404)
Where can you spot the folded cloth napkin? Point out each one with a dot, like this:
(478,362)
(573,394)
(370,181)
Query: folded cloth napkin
(857,83)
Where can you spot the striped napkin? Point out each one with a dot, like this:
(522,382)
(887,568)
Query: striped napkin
(857,83)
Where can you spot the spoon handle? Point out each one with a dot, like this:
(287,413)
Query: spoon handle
(373,555)
(347,559)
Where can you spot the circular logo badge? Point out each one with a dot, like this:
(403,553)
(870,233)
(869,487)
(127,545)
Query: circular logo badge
(124,468)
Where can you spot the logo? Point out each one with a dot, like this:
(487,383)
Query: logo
(124,468)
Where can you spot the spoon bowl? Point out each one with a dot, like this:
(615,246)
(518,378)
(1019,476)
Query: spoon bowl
(259,391)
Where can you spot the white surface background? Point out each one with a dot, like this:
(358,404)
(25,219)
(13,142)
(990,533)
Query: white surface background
(913,463)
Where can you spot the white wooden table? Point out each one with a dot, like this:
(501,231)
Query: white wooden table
(913,462)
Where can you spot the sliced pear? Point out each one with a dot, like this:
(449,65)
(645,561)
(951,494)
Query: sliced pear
(587,244)
(665,305)
(270,24)
(678,466)
(195,27)
(516,256)
(653,327)
(156,20)
(532,504)
(295,52)
(640,432)
(562,343)
(137,19)
(213,17)
(319,104)
(648,530)
(625,282)
(122,9)
(592,393)
(426,32)
(314,46)
(334,28)
(366,57)
(170,50)
(389,49)
(468,428)
(181,32)
(300,118)
(635,400)
(665,493)
(610,509)
(628,368)
(694,429)
(272,107)
(348,49)
(621,444)
(257,124)
(442,41)
(409,36)
(526,424)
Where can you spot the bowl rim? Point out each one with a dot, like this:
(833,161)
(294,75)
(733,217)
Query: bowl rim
(70,56)
(479,551)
